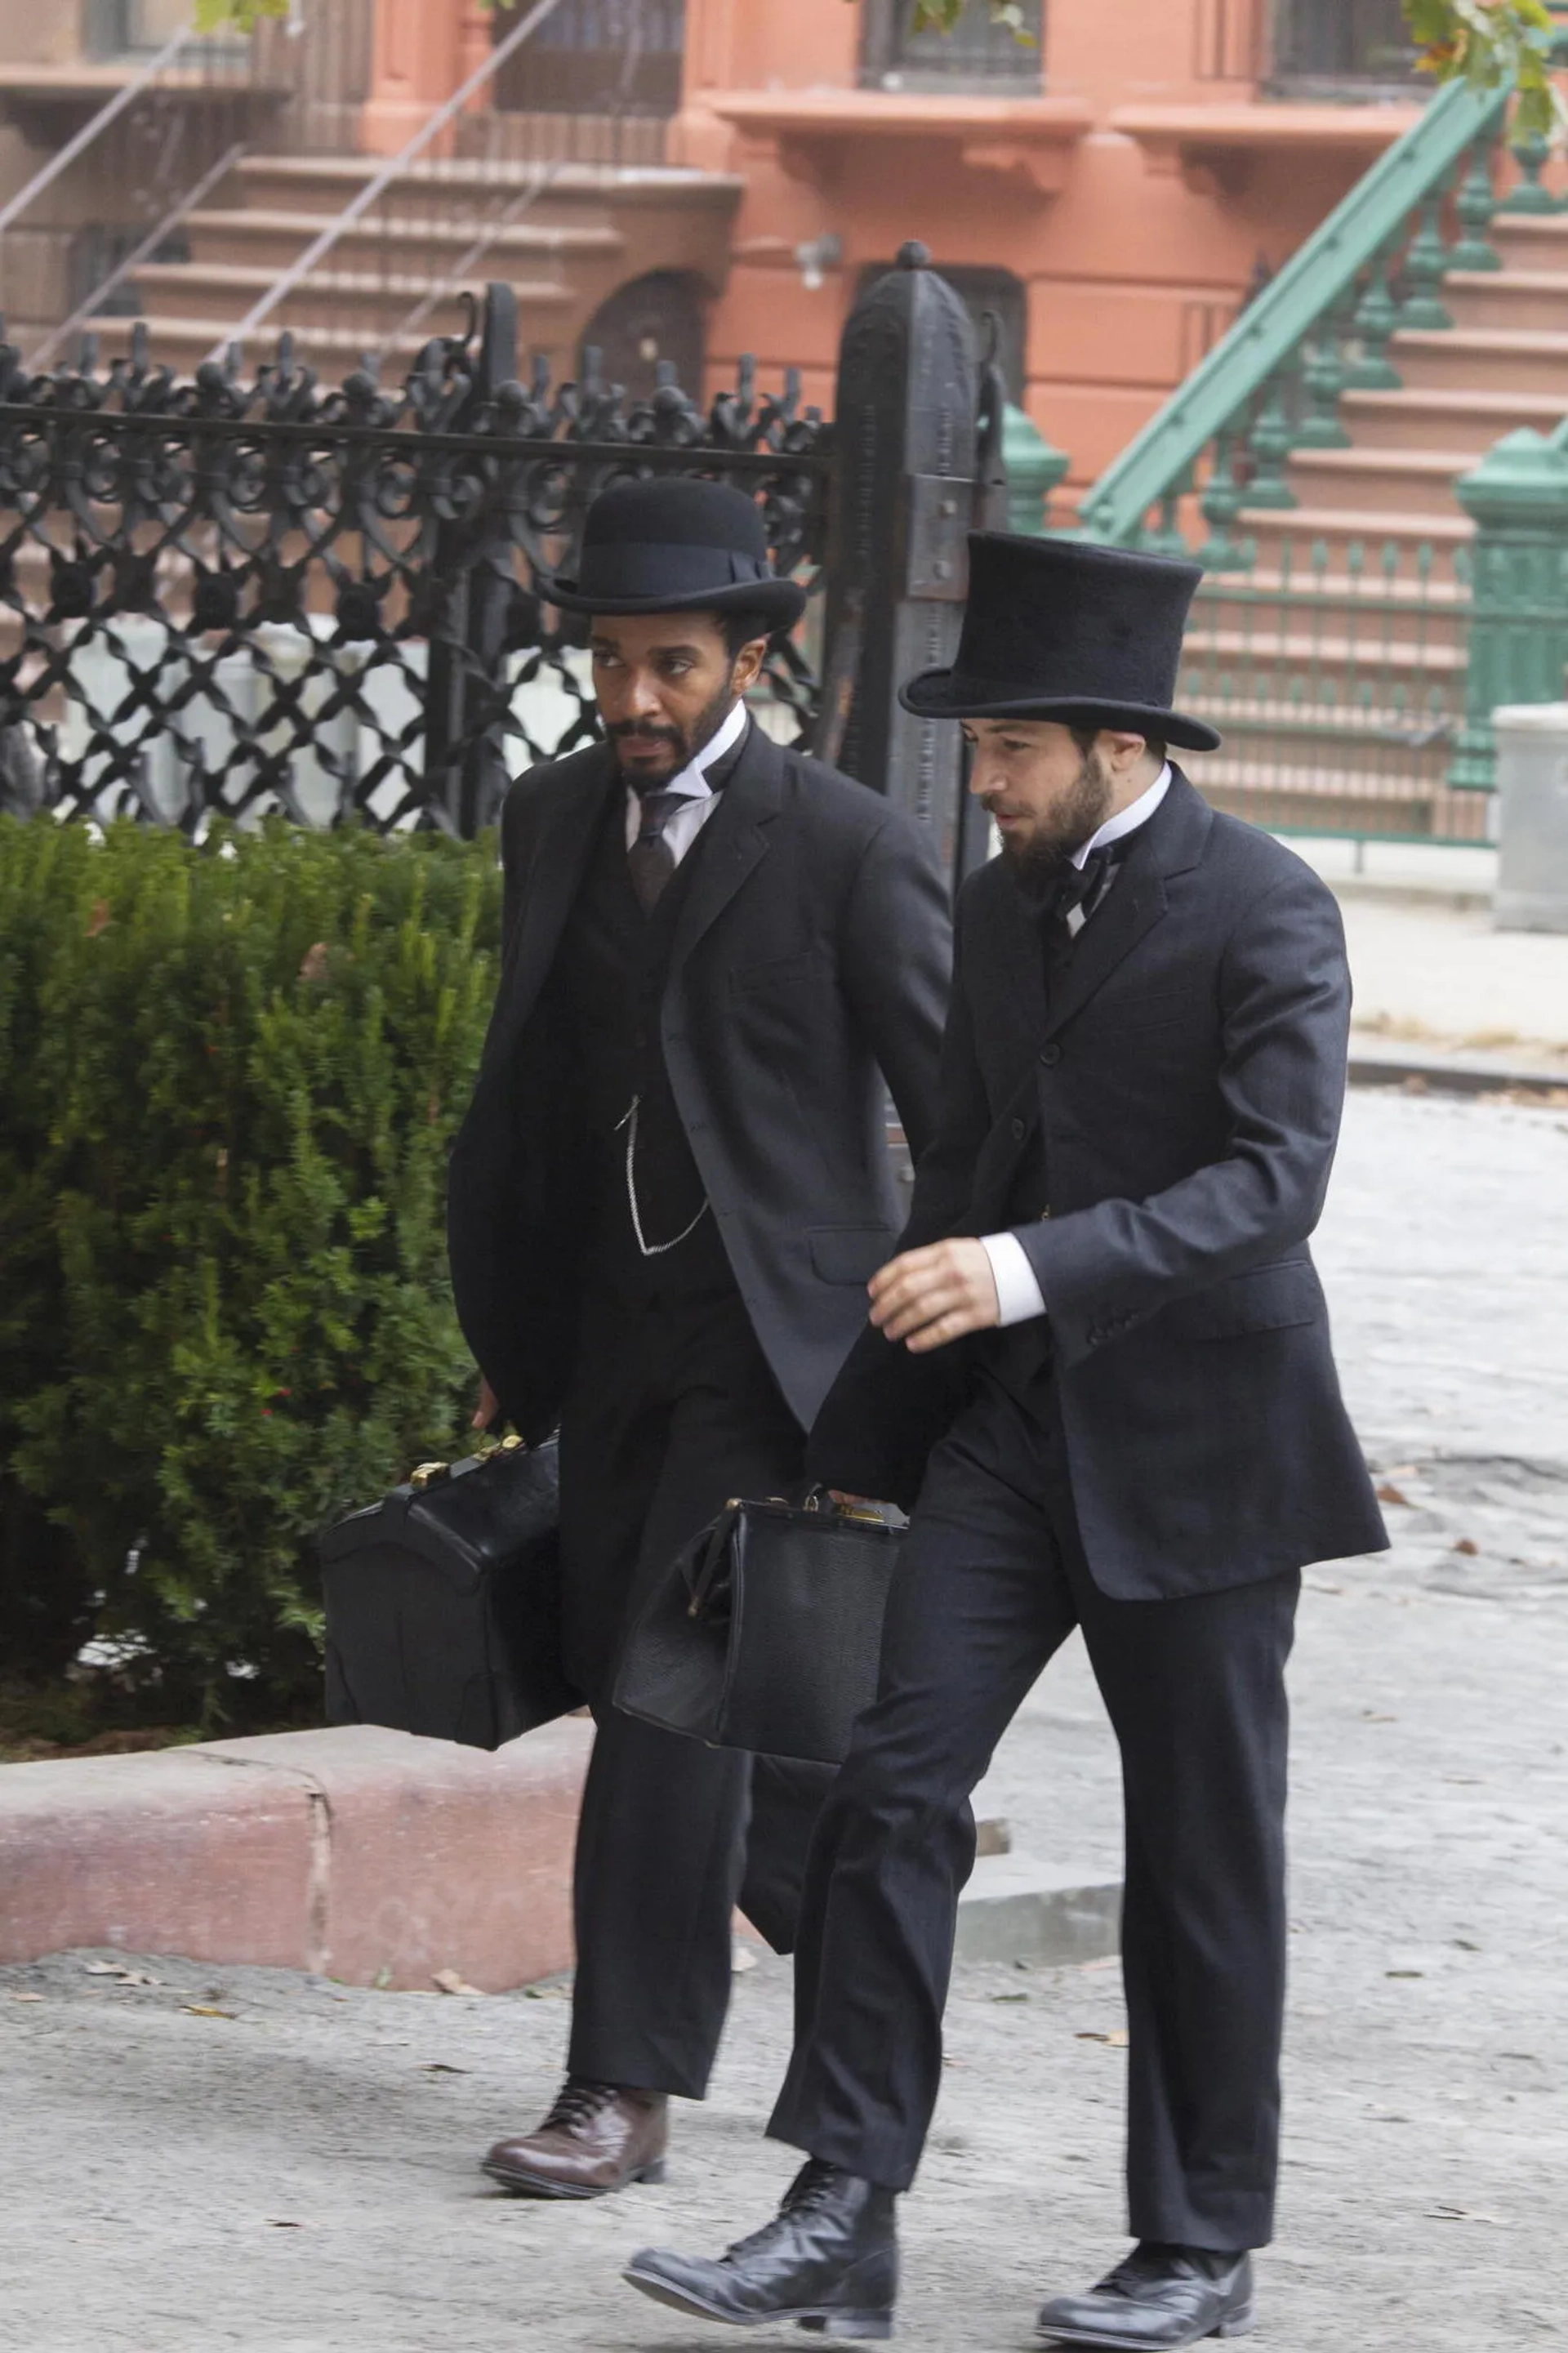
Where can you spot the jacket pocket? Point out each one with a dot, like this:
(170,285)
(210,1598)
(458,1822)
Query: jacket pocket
(1267,1299)
(848,1253)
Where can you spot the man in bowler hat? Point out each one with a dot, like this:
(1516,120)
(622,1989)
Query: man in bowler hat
(1105,1314)
(670,1189)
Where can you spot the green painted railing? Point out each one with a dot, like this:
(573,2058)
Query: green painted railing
(1336,291)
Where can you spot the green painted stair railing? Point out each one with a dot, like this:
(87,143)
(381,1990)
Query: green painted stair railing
(1320,328)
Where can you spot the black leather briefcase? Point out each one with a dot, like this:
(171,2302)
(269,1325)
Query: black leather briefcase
(444,1602)
(766,1633)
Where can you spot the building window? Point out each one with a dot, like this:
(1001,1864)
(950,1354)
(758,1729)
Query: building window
(595,56)
(978,55)
(1330,48)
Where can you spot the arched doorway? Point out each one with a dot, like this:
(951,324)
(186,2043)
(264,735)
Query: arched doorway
(660,317)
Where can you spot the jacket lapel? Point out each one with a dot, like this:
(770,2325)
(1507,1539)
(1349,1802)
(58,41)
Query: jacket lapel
(736,841)
(1171,842)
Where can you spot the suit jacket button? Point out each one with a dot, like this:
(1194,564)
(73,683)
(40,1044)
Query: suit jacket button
(1051,1055)
(1019,1130)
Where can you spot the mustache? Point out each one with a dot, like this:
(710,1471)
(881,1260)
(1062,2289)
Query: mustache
(638,729)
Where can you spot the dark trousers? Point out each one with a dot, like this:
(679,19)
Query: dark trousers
(671,1410)
(992,1581)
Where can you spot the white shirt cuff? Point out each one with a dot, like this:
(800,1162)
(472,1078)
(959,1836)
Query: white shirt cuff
(1018,1293)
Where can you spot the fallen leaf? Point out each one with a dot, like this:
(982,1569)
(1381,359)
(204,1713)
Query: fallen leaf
(1009,1997)
(28,1997)
(448,1981)
(1470,1550)
(1314,1584)
(1404,1973)
(1458,2215)
(439,2067)
(1465,1944)
(204,2009)
(1371,1715)
(276,2222)
(1116,2040)
(1389,1493)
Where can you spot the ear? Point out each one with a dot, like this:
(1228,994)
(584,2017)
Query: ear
(749,664)
(1123,751)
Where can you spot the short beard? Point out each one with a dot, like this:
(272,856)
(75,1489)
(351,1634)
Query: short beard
(685,743)
(1039,859)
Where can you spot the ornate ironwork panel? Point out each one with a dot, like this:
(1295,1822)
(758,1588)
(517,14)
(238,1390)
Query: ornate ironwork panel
(245,593)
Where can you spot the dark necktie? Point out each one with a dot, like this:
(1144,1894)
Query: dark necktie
(650,858)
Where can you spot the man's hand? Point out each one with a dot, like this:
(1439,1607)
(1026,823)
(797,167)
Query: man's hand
(488,1407)
(929,1297)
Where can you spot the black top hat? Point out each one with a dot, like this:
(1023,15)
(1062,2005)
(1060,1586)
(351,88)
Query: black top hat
(676,546)
(1059,628)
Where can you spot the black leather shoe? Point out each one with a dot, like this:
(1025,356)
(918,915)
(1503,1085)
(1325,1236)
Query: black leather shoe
(1160,2298)
(828,2261)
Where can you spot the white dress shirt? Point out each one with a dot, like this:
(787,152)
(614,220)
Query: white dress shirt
(684,825)
(1018,1292)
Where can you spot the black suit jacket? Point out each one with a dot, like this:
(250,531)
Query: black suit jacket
(1185,1082)
(810,963)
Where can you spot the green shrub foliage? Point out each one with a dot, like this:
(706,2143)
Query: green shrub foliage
(231,1077)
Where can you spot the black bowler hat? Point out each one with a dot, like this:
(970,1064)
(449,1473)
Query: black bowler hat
(676,546)
(1058,628)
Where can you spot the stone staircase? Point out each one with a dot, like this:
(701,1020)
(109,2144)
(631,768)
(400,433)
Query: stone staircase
(1334,662)
(576,232)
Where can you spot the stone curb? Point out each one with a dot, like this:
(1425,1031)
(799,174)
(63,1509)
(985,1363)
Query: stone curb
(357,1853)
(1017,1909)
(1444,1074)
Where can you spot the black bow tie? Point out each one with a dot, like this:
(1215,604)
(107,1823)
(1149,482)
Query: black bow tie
(1075,888)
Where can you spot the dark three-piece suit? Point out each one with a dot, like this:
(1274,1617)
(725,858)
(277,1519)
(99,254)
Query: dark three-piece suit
(793,972)
(1152,1108)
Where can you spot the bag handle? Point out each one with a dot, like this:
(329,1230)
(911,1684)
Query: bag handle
(713,1554)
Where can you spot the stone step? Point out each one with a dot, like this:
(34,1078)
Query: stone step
(1016,1908)
(352,300)
(1317,801)
(1339,531)
(1447,418)
(271,238)
(1536,299)
(324,184)
(1393,481)
(1472,359)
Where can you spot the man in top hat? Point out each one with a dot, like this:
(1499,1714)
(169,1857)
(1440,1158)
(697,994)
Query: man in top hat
(1105,1314)
(670,1189)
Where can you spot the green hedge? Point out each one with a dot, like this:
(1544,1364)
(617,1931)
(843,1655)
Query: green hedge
(230,1079)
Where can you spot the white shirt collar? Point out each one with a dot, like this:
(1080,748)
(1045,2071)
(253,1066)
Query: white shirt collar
(1127,820)
(692,780)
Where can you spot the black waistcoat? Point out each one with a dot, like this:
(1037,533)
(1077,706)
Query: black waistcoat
(611,972)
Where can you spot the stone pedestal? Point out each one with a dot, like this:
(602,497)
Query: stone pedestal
(1533,817)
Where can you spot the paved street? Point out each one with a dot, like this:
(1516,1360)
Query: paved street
(296,2174)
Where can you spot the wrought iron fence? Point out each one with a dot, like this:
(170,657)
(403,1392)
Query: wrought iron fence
(234,594)
(1337,675)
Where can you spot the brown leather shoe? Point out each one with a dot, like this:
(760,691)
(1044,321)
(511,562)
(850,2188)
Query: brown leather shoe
(598,2137)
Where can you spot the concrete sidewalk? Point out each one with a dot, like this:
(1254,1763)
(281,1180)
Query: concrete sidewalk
(1430,971)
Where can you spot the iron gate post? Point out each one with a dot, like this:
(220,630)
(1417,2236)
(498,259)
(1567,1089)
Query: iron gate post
(472,576)
(906,481)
